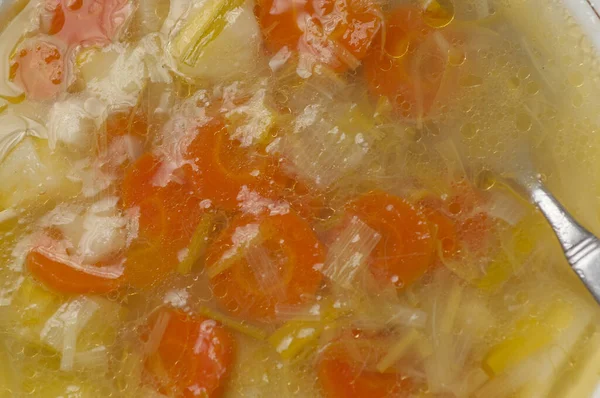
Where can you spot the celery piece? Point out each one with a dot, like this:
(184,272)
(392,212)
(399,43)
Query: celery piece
(294,336)
(198,244)
(531,335)
(201,28)
(239,326)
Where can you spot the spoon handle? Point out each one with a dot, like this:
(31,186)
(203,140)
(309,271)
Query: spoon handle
(581,247)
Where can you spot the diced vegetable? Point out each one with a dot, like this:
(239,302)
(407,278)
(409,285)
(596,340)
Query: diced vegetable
(397,350)
(196,250)
(583,379)
(401,68)
(66,276)
(327,145)
(531,335)
(559,330)
(86,22)
(39,69)
(355,24)
(21,24)
(294,336)
(343,372)
(406,249)
(150,16)
(80,330)
(166,224)
(216,40)
(242,327)
(30,171)
(195,354)
(292,252)
(349,253)
(227,168)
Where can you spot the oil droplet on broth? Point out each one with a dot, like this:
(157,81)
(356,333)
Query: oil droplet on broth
(514,82)
(485,180)
(438,13)
(456,56)
(397,49)
(523,122)
(469,130)
(576,79)
(470,81)
(533,88)
(577,100)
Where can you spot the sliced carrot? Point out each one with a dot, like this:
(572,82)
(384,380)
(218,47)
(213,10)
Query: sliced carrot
(337,34)
(84,22)
(257,263)
(342,374)
(195,353)
(65,278)
(224,166)
(168,216)
(38,68)
(130,122)
(406,248)
(390,68)
(445,226)
(459,223)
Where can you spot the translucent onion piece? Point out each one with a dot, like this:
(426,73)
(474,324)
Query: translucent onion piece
(265,270)
(323,147)
(150,15)
(157,332)
(397,350)
(23,23)
(62,329)
(349,253)
(534,376)
(15,128)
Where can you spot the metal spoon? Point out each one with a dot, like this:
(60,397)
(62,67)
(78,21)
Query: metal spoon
(580,246)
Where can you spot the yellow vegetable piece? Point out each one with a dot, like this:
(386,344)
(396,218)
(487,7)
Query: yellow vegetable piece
(198,244)
(583,379)
(34,304)
(498,271)
(520,247)
(530,336)
(397,350)
(201,29)
(290,339)
(240,326)
(438,13)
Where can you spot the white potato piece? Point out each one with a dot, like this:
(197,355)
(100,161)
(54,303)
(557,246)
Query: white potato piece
(232,53)
(31,173)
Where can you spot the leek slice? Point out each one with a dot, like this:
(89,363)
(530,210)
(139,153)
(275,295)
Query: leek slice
(295,336)
(397,350)
(197,247)
(583,378)
(530,336)
(239,326)
(201,29)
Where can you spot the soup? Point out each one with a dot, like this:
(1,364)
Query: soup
(293,198)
